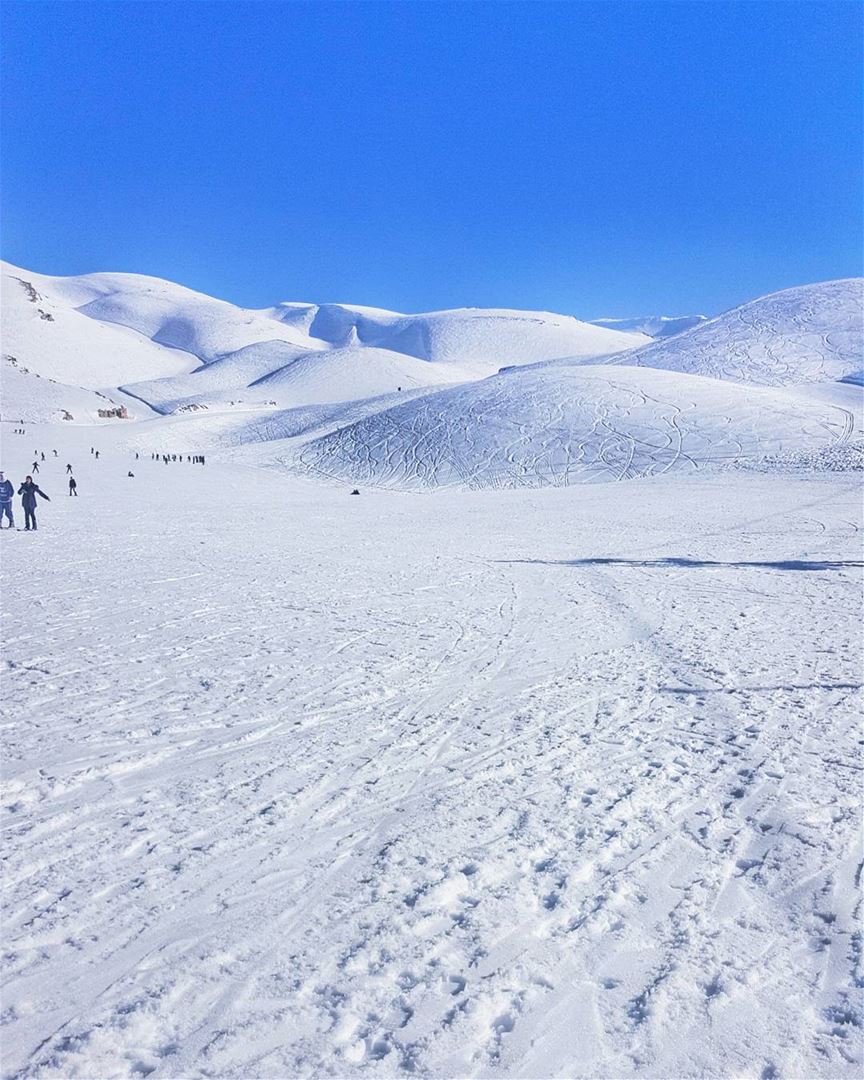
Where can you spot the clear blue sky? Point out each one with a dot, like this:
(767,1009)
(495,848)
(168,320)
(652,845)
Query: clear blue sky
(594,158)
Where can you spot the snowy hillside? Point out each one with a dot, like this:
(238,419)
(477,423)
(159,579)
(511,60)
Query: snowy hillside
(655,326)
(27,396)
(477,341)
(168,314)
(173,348)
(272,374)
(807,334)
(571,425)
(341,353)
(47,335)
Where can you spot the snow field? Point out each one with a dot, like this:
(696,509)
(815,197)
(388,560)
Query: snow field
(479,783)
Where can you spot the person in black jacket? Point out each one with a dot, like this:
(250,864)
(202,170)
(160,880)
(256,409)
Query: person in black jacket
(28,492)
(73,487)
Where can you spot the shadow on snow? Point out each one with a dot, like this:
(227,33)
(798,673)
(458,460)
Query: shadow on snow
(780,564)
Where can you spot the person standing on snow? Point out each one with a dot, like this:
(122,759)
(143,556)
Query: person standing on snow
(35,466)
(68,469)
(28,492)
(73,487)
(7,490)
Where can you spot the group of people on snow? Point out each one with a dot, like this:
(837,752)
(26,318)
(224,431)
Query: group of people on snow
(28,492)
(196,459)
(29,489)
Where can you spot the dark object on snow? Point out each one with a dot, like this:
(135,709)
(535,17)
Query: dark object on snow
(68,469)
(355,492)
(73,486)
(28,492)
(130,473)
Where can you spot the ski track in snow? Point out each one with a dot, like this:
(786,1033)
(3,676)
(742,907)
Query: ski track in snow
(556,427)
(483,784)
(797,336)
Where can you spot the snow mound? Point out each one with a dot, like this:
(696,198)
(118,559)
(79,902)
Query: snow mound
(570,425)
(808,334)
(224,378)
(355,371)
(655,326)
(276,374)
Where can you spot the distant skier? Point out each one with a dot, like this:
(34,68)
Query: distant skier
(55,453)
(28,492)
(43,455)
(7,490)
(73,487)
(35,466)
(68,468)
(97,455)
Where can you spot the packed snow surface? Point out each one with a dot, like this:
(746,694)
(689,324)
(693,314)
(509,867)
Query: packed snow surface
(496,784)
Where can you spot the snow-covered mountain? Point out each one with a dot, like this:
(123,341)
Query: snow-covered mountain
(171,347)
(655,326)
(566,421)
(472,396)
(808,334)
